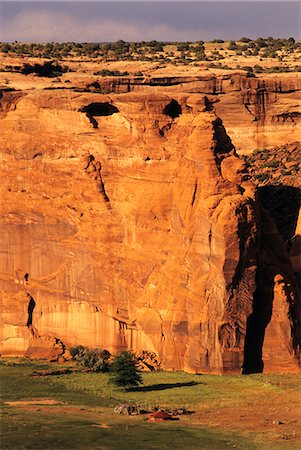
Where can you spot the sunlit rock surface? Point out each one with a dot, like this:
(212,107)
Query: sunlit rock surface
(127,221)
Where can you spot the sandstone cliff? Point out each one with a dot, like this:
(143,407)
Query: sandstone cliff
(258,112)
(128,222)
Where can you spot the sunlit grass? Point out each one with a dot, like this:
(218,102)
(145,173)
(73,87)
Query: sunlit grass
(88,399)
(168,388)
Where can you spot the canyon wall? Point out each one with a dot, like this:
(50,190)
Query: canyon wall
(127,221)
(258,112)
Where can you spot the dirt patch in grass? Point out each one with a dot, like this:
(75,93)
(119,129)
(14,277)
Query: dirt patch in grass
(36,401)
(54,407)
(269,422)
(101,425)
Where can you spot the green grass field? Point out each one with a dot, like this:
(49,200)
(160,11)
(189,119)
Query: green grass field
(224,408)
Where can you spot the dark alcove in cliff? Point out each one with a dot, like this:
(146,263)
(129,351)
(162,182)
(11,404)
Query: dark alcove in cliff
(31,307)
(258,321)
(278,207)
(208,104)
(283,204)
(98,109)
(223,143)
(173,109)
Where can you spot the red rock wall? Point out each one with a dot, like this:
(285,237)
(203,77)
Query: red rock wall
(136,232)
(258,112)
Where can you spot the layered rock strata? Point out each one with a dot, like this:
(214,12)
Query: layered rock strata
(258,112)
(127,222)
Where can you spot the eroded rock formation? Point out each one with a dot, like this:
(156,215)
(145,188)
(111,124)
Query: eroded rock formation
(258,112)
(128,222)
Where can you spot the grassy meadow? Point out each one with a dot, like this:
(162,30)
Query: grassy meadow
(75,411)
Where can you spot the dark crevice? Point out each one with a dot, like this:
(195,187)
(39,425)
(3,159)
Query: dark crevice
(247,106)
(90,159)
(258,321)
(208,104)
(164,129)
(247,250)
(102,190)
(222,142)
(92,120)
(96,85)
(36,155)
(194,192)
(173,109)
(31,307)
(260,105)
(99,181)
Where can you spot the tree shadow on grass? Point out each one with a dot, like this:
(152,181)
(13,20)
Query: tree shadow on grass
(162,386)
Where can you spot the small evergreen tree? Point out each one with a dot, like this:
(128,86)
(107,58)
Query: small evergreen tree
(124,371)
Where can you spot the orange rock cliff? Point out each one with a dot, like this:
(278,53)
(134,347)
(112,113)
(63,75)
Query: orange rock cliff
(257,112)
(128,221)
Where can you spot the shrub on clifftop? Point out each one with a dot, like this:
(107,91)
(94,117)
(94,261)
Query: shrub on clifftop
(48,69)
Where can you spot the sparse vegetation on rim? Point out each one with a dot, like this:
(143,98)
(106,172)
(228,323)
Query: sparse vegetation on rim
(280,165)
(185,53)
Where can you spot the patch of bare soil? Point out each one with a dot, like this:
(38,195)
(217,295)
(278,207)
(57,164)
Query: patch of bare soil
(42,401)
(53,406)
(101,425)
(277,424)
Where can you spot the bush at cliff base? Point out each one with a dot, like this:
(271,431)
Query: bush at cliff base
(124,371)
(95,359)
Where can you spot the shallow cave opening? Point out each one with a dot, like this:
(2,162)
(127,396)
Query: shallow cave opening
(96,86)
(173,109)
(99,109)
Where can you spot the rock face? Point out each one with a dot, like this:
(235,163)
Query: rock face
(127,222)
(258,112)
